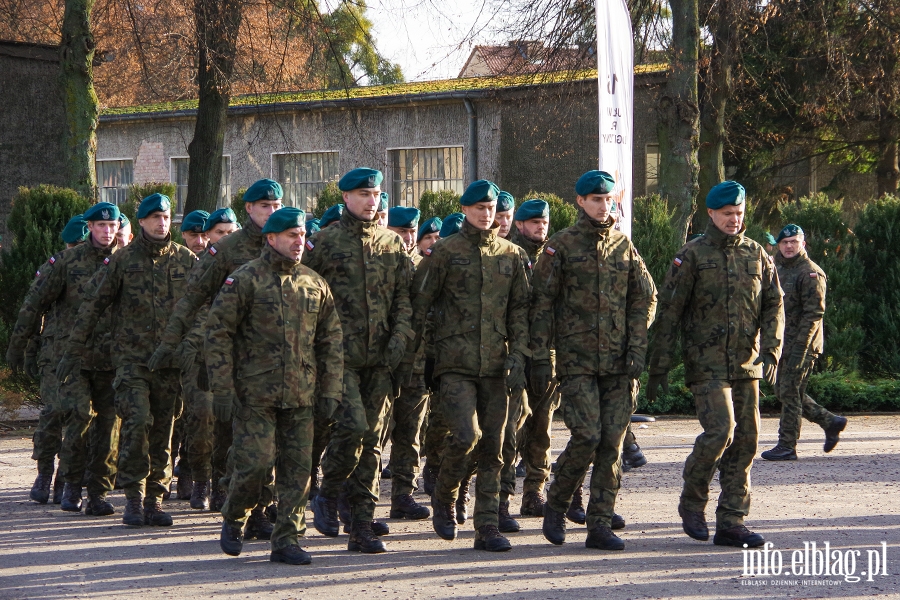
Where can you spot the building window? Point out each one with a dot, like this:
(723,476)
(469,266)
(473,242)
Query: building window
(303,175)
(113,178)
(651,171)
(418,169)
(178,175)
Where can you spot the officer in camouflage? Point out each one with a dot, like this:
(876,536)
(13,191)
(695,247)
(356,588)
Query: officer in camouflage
(384,203)
(142,281)
(220,223)
(506,207)
(803,284)
(477,284)
(273,346)
(593,301)
(368,270)
(722,294)
(124,236)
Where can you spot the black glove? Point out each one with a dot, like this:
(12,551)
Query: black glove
(401,376)
(325,409)
(515,371)
(541,377)
(660,379)
(634,364)
(430,382)
(161,357)
(31,367)
(396,349)
(770,367)
(184,356)
(70,363)
(223,405)
(15,360)
(794,363)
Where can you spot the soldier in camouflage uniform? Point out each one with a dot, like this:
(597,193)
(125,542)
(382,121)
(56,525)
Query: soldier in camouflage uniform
(803,284)
(273,346)
(22,352)
(722,295)
(593,301)
(139,286)
(124,236)
(368,269)
(477,284)
(506,207)
(221,259)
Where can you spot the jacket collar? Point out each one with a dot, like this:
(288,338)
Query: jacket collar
(254,232)
(720,239)
(780,260)
(591,227)
(530,248)
(357,227)
(102,252)
(152,247)
(278,262)
(479,237)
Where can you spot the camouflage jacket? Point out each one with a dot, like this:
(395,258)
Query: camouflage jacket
(368,272)
(140,285)
(532,250)
(593,300)
(274,335)
(63,283)
(803,284)
(477,284)
(42,344)
(220,260)
(722,293)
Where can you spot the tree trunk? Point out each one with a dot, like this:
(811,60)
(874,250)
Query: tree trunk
(888,170)
(679,135)
(217,24)
(79,99)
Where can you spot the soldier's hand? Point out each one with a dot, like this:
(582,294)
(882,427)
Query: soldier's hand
(634,364)
(184,356)
(770,367)
(325,409)
(402,375)
(15,360)
(161,357)
(31,367)
(541,376)
(430,383)
(515,371)
(796,360)
(653,384)
(223,405)
(70,363)
(395,350)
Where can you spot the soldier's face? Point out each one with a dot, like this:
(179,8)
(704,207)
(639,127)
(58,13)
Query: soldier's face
(363,203)
(407,235)
(481,215)
(383,218)
(103,232)
(195,242)
(505,219)
(597,206)
(288,243)
(534,229)
(220,230)
(124,236)
(260,211)
(156,225)
(428,241)
(728,219)
(790,247)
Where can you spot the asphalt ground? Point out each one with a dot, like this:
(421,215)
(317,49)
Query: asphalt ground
(849,498)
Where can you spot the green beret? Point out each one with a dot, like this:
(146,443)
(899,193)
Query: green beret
(789,231)
(505,202)
(285,218)
(102,211)
(331,215)
(595,182)
(479,191)
(264,189)
(405,217)
(452,224)
(385,200)
(223,215)
(432,225)
(76,230)
(195,221)
(153,203)
(360,178)
(532,209)
(725,194)
(123,220)
(770,239)
(312,226)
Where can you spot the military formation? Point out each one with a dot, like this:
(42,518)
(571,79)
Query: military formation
(267,364)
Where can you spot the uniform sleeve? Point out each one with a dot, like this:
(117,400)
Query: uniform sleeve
(517,325)
(771,318)
(544,291)
(401,307)
(641,308)
(426,284)
(44,291)
(104,288)
(227,311)
(812,295)
(204,281)
(677,290)
(329,350)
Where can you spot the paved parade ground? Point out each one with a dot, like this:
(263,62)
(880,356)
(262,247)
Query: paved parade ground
(849,498)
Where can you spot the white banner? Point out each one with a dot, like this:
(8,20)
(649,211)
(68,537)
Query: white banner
(615,78)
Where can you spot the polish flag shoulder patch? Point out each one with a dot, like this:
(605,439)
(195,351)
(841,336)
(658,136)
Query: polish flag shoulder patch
(529,264)
(229,281)
(310,245)
(550,251)
(428,252)
(212,250)
(38,274)
(677,262)
(52,260)
(106,261)
(814,275)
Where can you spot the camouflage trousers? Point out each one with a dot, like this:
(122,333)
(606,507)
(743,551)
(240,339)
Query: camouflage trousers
(179,447)
(436,433)
(222,433)
(47,438)
(408,413)
(474,409)
(790,388)
(353,455)
(91,438)
(533,441)
(729,414)
(597,410)
(515,412)
(267,437)
(146,402)
(198,422)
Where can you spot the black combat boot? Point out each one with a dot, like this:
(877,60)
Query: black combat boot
(155,516)
(134,512)
(184,488)
(58,487)
(217,498)
(231,539)
(429,479)
(694,523)
(72,499)
(258,526)
(780,452)
(98,506)
(618,522)
(386,472)
(488,538)
(442,519)
(272,512)
(200,495)
(603,538)
(520,469)
(506,523)
(325,518)
(313,485)
(363,539)
(292,555)
(632,457)
(576,509)
(344,510)
(737,536)
(833,433)
(532,504)
(40,491)
(554,527)
(405,507)
(462,501)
